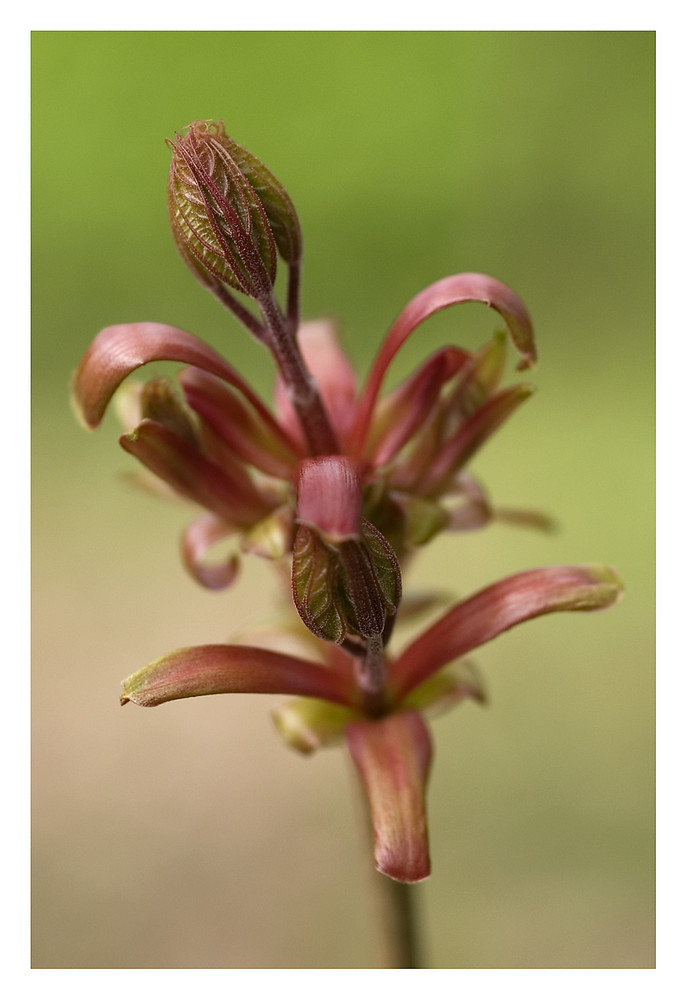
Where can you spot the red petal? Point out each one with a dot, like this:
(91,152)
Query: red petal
(393,757)
(192,475)
(335,377)
(198,670)
(498,608)
(403,411)
(196,540)
(449,291)
(119,350)
(247,434)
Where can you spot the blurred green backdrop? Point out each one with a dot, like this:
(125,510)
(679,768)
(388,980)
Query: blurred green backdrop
(188,836)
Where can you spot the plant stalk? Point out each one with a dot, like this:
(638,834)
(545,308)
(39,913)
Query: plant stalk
(301,386)
(394,910)
(397,918)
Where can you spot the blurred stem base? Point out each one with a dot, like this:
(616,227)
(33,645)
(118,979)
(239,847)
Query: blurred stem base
(396,906)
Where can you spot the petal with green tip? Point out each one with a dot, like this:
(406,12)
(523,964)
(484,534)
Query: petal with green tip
(497,608)
(194,476)
(217,669)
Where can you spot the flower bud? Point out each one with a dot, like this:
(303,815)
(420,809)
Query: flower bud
(345,576)
(230,216)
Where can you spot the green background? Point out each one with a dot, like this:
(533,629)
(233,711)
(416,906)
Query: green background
(188,836)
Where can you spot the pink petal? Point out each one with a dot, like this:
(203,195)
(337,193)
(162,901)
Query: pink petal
(335,377)
(246,433)
(192,475)
(449,291)
(119,350)
(329,497)
(497,608)
(200,536)
(199,670)
(393,757)
(403,411)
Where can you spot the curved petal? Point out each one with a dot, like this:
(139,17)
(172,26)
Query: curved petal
(468,287)
(194,476)
(334,374)
(246,433)
(404,410)
(497,608)
(393,757)
(200,536)
(119,350)
(217,669)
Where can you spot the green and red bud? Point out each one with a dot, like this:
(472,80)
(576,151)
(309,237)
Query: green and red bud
(346,578)
(231,218)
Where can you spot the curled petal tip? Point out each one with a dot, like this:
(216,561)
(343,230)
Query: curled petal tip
(118,350)
(457,288)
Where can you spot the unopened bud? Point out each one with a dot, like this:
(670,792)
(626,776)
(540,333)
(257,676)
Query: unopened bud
(345,575)
(230,216)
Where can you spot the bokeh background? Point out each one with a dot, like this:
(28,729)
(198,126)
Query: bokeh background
(188,836)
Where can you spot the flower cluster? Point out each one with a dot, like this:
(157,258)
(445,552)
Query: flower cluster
(339,481)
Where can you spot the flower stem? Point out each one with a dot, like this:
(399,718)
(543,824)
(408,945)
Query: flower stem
(300,384)
(399,947)
(394,910)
